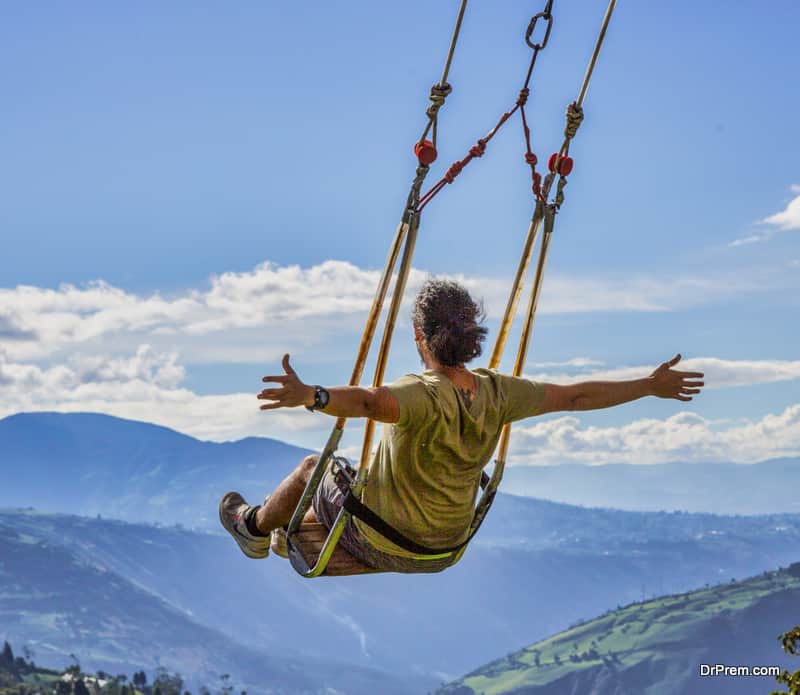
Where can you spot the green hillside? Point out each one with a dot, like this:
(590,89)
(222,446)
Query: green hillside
(656,647)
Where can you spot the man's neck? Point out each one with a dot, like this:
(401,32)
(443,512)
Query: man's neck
(457,374)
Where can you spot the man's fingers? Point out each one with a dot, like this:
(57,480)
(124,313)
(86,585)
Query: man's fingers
(278,379)
(693,384)
(691,375)
(270,394)
(286,366)
(674,360)
(684,389)
(270,406)
(682,398)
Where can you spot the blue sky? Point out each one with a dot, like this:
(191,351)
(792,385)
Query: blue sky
(191,189)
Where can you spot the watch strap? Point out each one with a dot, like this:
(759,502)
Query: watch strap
(321,399)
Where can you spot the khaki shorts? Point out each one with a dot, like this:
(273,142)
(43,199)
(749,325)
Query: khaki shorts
(328,500)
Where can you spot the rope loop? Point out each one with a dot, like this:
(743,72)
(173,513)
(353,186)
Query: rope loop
(574,120)
(439,92)
(531,159)
(453,171)
(536,185)
(478,148)
(522,99)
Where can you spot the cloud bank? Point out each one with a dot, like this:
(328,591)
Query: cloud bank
(253,316)
(719,373)
(148,386)
(684,437)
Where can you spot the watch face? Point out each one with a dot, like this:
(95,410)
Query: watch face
(322,397)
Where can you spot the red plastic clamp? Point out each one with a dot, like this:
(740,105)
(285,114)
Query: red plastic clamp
(564,164)
(426,152)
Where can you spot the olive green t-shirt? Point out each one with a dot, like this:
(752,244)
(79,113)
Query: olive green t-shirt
(425,474)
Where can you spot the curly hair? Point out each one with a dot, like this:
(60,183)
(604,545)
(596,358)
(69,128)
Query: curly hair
(450,321)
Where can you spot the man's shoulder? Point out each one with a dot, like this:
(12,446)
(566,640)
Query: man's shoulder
(413,383)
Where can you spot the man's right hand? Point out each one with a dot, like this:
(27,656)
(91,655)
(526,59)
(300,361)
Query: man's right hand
(291,393)
(667,382)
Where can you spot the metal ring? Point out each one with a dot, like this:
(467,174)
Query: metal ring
(532,27)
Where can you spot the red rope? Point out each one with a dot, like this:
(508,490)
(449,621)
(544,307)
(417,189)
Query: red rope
(477,150)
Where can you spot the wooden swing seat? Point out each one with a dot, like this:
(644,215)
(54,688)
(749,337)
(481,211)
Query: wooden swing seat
(309,539)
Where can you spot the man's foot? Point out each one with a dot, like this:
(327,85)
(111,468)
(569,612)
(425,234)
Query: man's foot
(278,543)
(232,510)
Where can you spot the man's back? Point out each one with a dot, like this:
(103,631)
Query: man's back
(426,471)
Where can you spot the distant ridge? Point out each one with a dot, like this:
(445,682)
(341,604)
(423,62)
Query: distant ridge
(88,464)
(719,488)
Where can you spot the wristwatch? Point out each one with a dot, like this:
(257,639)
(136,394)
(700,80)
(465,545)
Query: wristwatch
(321,398)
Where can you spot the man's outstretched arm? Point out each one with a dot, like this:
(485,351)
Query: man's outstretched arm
(345,401)
(664,382)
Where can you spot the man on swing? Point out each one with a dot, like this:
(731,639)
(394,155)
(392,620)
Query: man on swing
(442,428)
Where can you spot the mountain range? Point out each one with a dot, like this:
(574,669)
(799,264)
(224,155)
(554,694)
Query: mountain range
(718,488)
(139,502)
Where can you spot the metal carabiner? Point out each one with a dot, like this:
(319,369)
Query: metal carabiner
(343,471)
(532,27)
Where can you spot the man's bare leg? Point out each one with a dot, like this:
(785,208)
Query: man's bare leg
(278,509)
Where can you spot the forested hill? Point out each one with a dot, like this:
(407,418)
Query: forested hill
(657,647)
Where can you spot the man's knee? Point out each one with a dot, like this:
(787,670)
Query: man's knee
(308,465)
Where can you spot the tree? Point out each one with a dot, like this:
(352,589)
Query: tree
(28,653)
(7,659)
(166,683)
(791,645)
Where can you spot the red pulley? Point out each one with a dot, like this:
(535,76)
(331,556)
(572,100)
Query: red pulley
(531,158)
(426,152)
(564,164)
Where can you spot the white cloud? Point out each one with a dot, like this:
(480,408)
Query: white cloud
(789,217)
(577,362)
(786,219)
(37,322)
(145,387)
(255,316)
(719,373)
(752,239)
(685,437)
